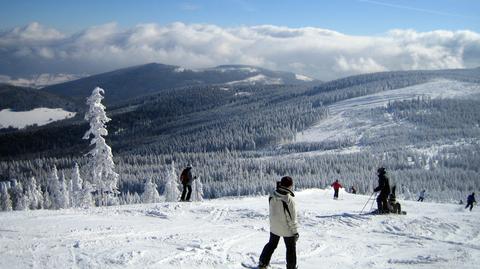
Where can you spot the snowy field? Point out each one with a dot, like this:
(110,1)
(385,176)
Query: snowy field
(224,233)
(352,119)
(39,116)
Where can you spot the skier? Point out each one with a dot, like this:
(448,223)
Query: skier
(470,201)
(353,190)
(283,223)
(186,178)
(421,196)
(384,188)
(336,186)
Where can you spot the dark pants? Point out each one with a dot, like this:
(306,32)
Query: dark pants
(272,244)
(420,199)
(469,205)
(187,189)
(335,194)
(382,203)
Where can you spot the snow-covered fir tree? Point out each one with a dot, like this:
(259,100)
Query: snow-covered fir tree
(63,196)
(84,197)
(197,190)
(150,193)
(19,201)
(104,178)
(77,183)
(5,201)
(172,192)
(34,194)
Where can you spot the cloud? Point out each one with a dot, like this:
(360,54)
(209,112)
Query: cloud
(316,52)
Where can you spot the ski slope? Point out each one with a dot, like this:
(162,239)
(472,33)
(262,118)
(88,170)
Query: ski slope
(224,233)
(352,118)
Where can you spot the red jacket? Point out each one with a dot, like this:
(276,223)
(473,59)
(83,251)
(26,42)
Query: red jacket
(336,185)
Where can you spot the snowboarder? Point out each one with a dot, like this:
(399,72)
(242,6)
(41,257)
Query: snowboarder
(384,188)
(353,190)
(470,201)
(336,186)
(421,196)
(186,178)
(283,223)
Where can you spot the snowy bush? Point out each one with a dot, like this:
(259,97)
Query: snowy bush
(172,192)
(150,193)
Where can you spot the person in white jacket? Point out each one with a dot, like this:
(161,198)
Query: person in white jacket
(283,223)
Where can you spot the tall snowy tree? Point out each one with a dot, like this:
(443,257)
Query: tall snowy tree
(197,190)
(5,201)
(150,193)
(63,195)
(104,178)
(172,192)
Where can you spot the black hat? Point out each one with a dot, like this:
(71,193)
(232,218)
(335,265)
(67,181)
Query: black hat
(381,170)
(286,181)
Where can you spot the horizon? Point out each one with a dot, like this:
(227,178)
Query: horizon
(322,40)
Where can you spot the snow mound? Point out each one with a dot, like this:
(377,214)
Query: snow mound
(39,116)
(227,232)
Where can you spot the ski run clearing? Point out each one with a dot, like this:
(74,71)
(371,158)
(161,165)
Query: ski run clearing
(351,118)
(225,232)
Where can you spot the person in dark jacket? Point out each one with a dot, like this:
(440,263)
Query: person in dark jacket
(336,186)
(470,201)
(384,189)
(186,178)
(283,223)
(421,197)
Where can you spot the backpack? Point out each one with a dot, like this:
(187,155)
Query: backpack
(184,176)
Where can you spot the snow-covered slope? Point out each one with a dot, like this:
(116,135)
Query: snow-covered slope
(352,118)
(39,116)
(224,233)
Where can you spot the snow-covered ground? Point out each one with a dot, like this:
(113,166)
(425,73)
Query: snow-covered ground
(257,79)
(39,116)
(224,233)
(351,118)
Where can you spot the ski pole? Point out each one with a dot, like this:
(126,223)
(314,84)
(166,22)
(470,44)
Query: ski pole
(367,202)
(371,206)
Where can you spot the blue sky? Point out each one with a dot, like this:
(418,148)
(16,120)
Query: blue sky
(356,17)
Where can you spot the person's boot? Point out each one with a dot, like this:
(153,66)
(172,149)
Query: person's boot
(261,265)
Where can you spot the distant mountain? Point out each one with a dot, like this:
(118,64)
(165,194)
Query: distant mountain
(124,84)
(22,99)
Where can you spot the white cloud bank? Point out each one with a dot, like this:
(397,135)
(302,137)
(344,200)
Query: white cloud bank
(319,53)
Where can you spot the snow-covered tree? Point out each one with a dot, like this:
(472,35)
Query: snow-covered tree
(63,195)
(19,200)
(34,194)
(85,199)
(150,192)
(77,183)
(5,202)
(104,178)
(197,190)
(171,186)
(56,189)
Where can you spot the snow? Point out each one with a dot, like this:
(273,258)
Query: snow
(39,116)
(257,79)
(351,118)
(224,233)
(302,77)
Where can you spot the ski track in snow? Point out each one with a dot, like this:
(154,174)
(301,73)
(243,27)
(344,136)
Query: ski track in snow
(223,233)
(352,118)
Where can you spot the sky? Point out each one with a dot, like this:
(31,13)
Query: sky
(322,39)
